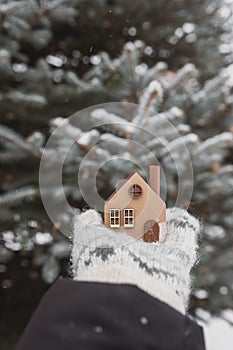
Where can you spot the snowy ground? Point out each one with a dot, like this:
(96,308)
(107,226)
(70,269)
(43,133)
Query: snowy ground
(218,334)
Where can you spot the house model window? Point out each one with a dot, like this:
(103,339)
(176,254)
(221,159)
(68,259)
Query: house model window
(135,191)
(115,218)
(128,217)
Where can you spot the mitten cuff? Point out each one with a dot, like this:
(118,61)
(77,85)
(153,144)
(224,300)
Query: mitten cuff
(150,285)
(162,270)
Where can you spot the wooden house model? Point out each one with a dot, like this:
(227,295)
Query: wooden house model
(136,208)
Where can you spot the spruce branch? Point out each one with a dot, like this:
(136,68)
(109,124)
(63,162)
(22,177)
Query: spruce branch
(115,123)
(6,9)
(15,197)
(11,157)
(33,100)
(16,139)
(215,143)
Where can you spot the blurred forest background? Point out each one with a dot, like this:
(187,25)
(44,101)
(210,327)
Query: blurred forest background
(57,57)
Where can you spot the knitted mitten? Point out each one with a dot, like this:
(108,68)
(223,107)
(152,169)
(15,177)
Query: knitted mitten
(160,269)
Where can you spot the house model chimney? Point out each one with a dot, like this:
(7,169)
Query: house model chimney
(154,178)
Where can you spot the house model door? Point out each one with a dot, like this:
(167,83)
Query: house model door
(151,231)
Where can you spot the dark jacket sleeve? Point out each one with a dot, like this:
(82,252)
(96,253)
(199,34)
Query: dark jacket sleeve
(100,316)
(193,336)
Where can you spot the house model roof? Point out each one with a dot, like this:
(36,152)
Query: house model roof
(132,179)
(123,183)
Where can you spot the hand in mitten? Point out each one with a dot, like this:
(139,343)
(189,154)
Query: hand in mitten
(162,270)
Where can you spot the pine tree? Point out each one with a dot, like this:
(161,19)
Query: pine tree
(57,57)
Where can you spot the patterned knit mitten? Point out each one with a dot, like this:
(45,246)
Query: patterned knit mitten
(160,269)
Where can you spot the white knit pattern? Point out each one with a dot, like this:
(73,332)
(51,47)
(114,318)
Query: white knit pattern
(162,270)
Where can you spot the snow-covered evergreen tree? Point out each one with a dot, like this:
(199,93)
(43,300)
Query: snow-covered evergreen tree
(57,57)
